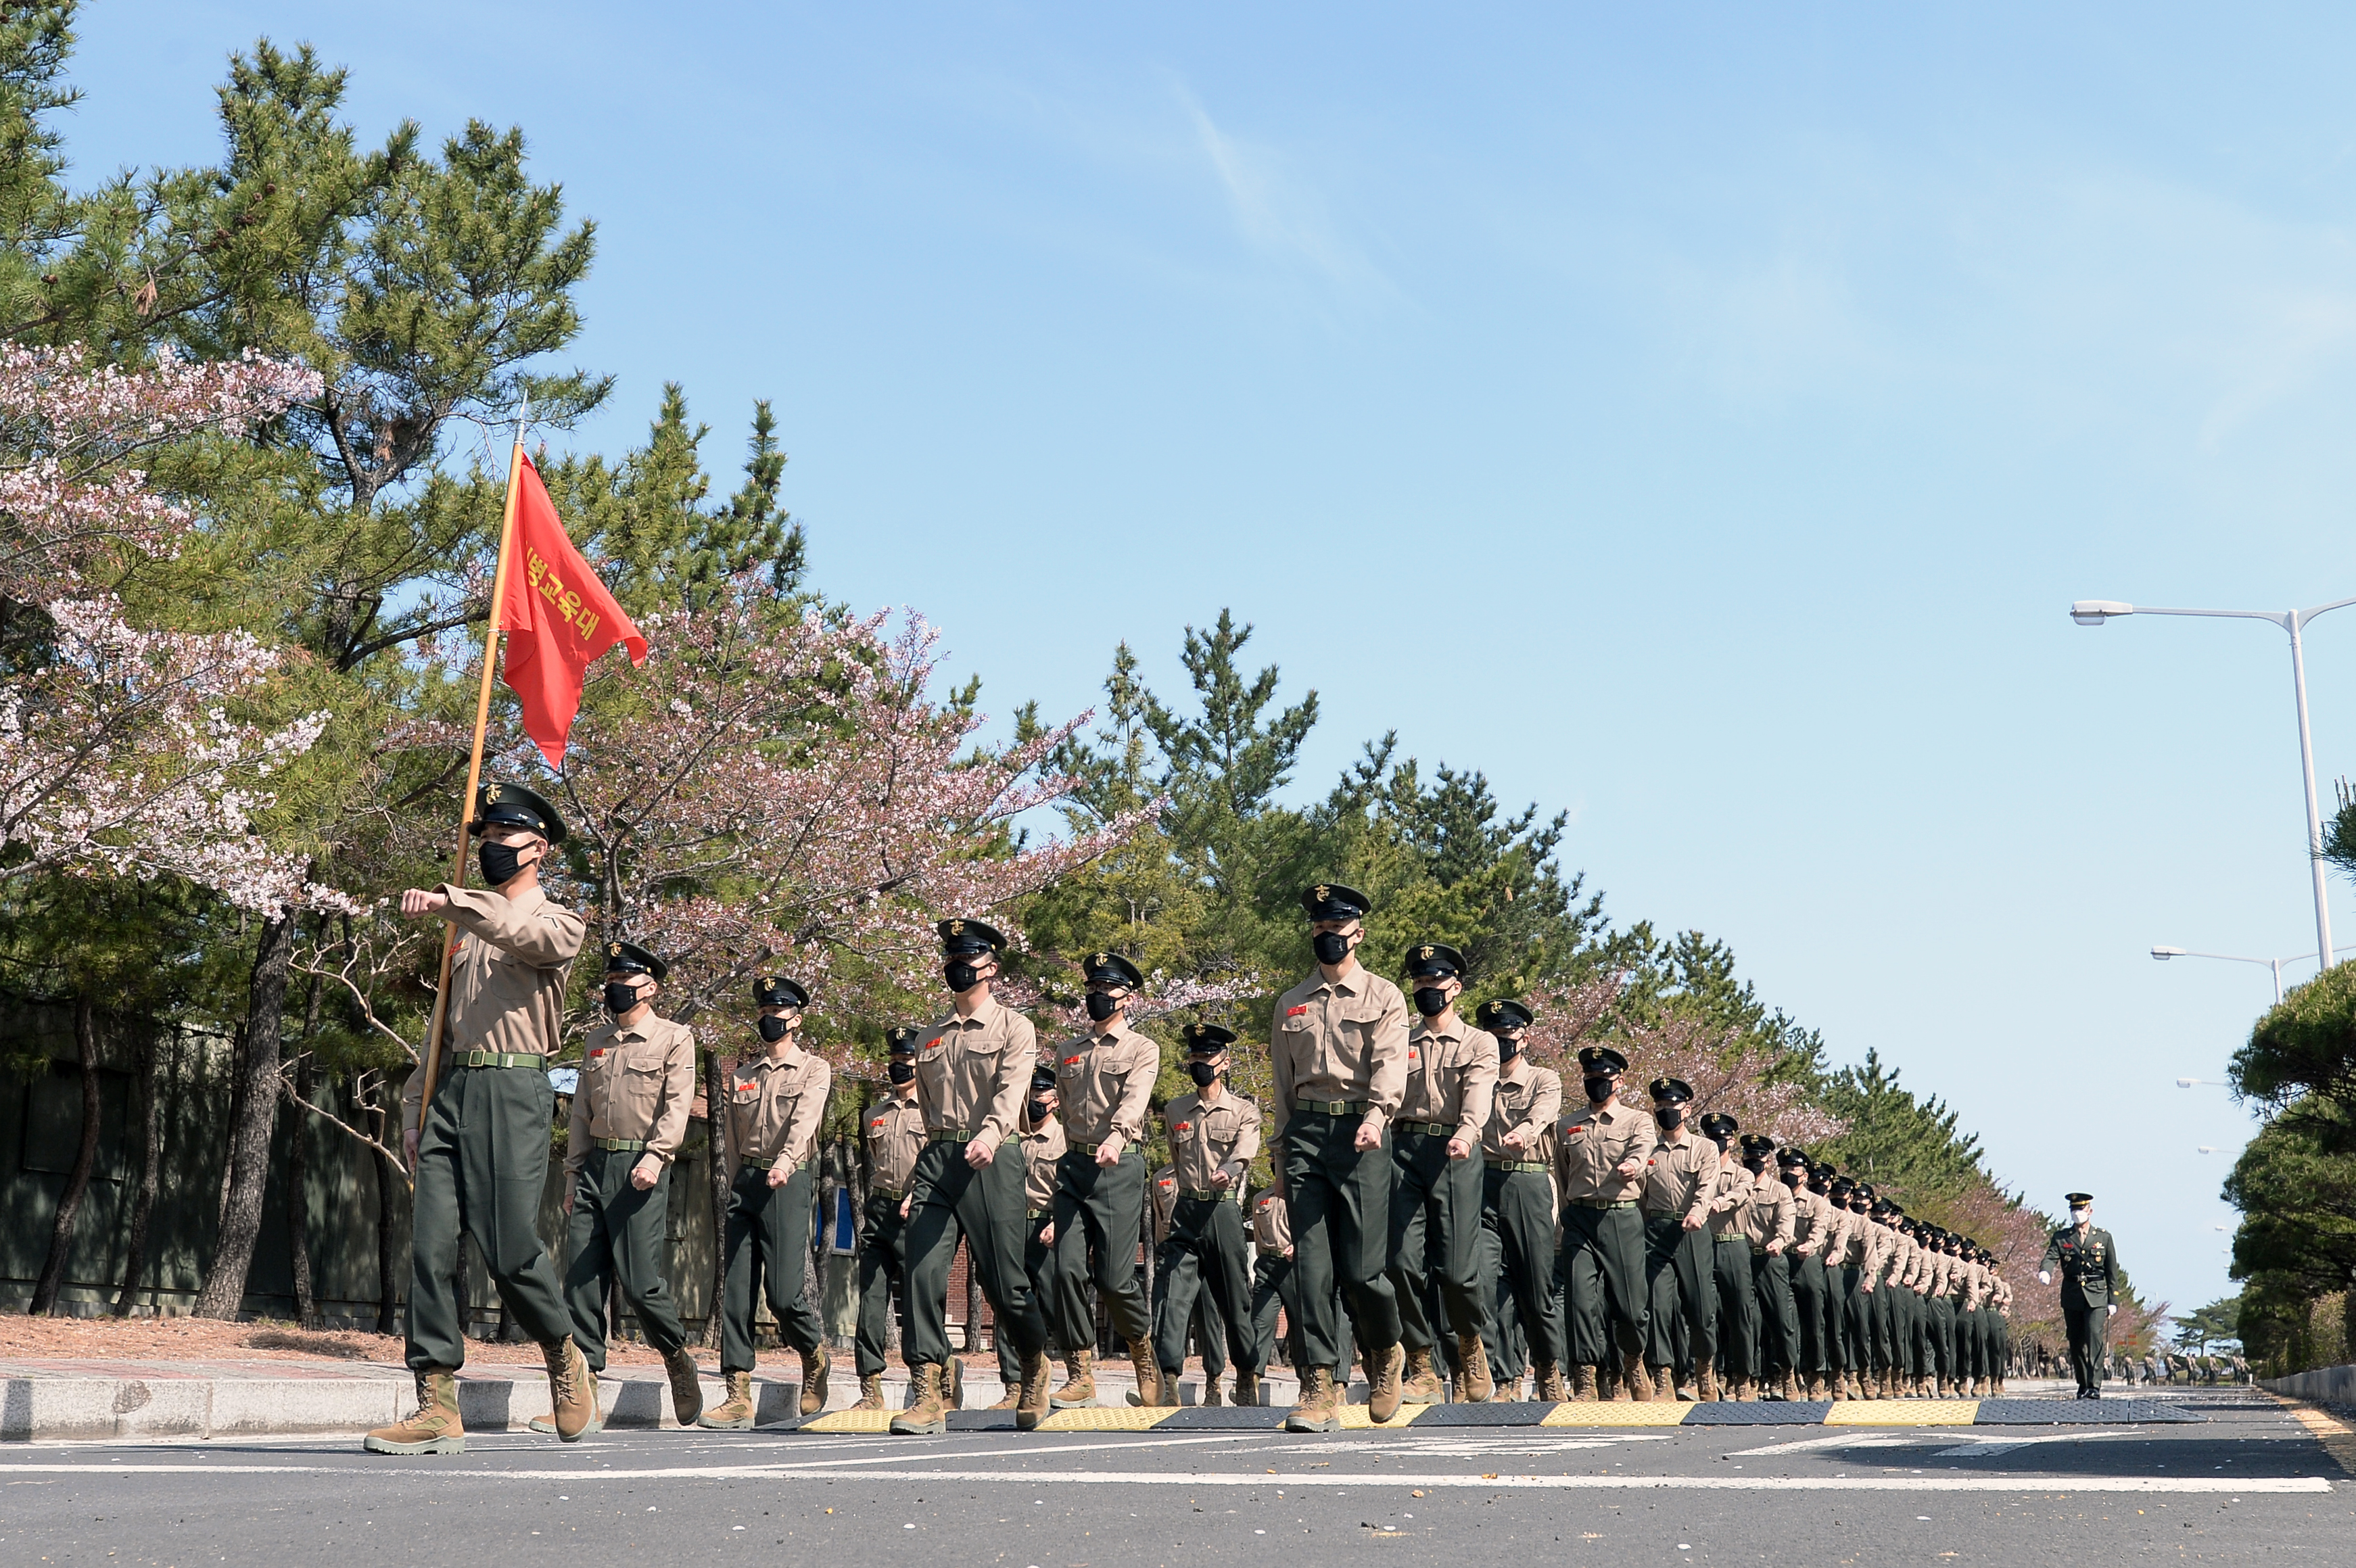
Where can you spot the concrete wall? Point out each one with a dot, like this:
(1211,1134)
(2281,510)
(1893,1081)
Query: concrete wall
(2324,1385)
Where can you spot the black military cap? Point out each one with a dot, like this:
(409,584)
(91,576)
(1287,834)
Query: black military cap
(1719,1124)
(1865,1188)
(960,938)
(2079,1198)
(901,1039)
(1843,1184)
(1428,959)
(1495,1015)
(1757,1144)
(1042,1077)
(1602,1059)
(1207,1039)
(1672,1091)
(512,806)
(1331,900)
(1824,1168)
(1884,1206)
(1792,1156)
(776,991)
(1111,969)
(629,958)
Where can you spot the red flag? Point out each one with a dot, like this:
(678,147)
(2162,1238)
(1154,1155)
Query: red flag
(557,615)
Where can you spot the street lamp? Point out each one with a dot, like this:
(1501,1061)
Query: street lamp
(2095,611)
(2208,1083)
(2164,953)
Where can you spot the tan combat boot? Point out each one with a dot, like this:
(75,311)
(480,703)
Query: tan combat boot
(1010,1393)
(1032,1408)
(1583,1383)
(1836,1388)
(1633,1383)
(818,1371)
(1247,1387)
(1149,1376)
(434,1428)
(1745,1392)
(870,1392)
(733,1413)
(1168,1378)
(1708,1376)
(572,1390)
(1383,1386)
(1474,1384)
(1551,1389)
(925,1416)
(1665,1384)
(545,1425)
(1212,1393)
(953,1382)
(685,1386)
(1079,1389)
(1419,1379)
(1320,1409)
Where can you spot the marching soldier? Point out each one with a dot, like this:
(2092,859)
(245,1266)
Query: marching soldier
(1275,1285)
(1730,1263)
(896,1135)
(1767,1223)
(1811,1229)
(2000,1329)
(775,1105)
(1338,1045)
(1945,1276)
(1680,1183)
(1889,1262)
(480,1152)
(1840,1278)
(1105,1082)
(1867,1252)
(1971,1282)
(971,1070)
(1214,1137)
(1452,1076)
(1600,1156)
(1042,1141)
(2088,1262)
(1203,1324)
(629,1113)
(1517,1202)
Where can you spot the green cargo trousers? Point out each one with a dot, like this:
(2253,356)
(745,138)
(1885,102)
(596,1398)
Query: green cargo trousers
(1508,1347)
(765,1245)
(2088,1331)
(1778,1313)
(619,1234)
(1276,1283)
(1808,1291)
(883,1280)
(1677,1265)
(1205,1259)
(1943,1335)
(1100,1226)
(1036,1256)
(482,1163)
(952,1201)
(1517,1212)
(1339,1199)
(1602,1270)
(1436,1218)
(1738,1308)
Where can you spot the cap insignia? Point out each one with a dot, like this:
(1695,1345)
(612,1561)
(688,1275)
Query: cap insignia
(1427,951)
(613,950)
(491,794)
(1318,893)
(957,928)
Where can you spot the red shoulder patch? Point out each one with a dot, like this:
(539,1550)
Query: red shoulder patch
(1296,1012)
(1184,1127)
(1074,1061)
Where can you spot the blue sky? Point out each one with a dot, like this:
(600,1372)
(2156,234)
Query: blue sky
(1700,422)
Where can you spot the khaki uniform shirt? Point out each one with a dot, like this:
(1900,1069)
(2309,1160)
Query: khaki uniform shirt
(1343,1041)
(1042,1147)
(1271,1225)
(775,1108)
(1591,1144)
(1528,1100)
(1810,1216)
(1731,1195)
(1834,1227)
(1106,1081)
(507,978)
(1165,1202)
(1681,1176)
(636,1082)
(1452,1077)
(1872,1249)
(1768,1216)
(972,1072)
(1206,1138)
(895,1136)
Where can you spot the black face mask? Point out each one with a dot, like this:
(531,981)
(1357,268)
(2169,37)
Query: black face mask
(961,976)
(773,1029)
(500,862)
(1331,946)
(1599,1087)
(1507,1050)
(1791,1182)
(620,996)
(1038,1109)
(1669,1116)
(1431,1001)
(1203,1073)
(902,1072)
(1755,1166)
(1101,1007)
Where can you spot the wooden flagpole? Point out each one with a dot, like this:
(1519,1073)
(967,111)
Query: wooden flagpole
(473,764)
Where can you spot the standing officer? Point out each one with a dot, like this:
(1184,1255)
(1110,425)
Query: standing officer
(1214,1137)
(1729,1264)
(1042,1141)
(1105,1079)
(1599,1160)
(776,1106)
(972,1071)
(629,1112)
(2088,1261)
(1517,1203)
(1680,1182)
(480,1155)
(1338,1045)
(1812,1228)
(896,1133)
(1452,1078)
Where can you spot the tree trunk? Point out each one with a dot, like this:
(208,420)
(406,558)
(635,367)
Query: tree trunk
(155,1067)
(53,1267)
(382,1118)
(298,1200)
(236,1110)
(240,1230)
(715,1110)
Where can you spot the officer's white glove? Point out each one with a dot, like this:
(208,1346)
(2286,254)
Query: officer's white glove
(2114,1312)
(2043,1277)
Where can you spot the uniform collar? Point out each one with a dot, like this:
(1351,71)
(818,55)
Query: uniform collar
(984,1015)
(1350,985)
(793,1057)
(1422,1029)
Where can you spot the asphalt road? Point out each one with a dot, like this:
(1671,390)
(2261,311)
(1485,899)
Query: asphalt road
(2247,1483)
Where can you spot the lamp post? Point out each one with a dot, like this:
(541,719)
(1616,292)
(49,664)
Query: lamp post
(2164,953)
(2095,611)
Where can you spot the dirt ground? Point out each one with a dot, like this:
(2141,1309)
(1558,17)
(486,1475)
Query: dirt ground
(203,1339)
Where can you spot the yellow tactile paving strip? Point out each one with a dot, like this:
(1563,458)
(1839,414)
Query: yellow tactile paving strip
(1356,1419)
(1612,1412)
(1903,1413)
(850,1421)
(1107,1418)
(2324,1428)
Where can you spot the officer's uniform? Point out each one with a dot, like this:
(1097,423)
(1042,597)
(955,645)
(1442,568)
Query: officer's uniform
(2088,1262)
(894,1134)
(1105,1079)
(1206,1254)
(776,1103)
(1339,1051)
(1680,1181)
(1602,1259)
(630,1106)
(1517,1210)
(1436,1201)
